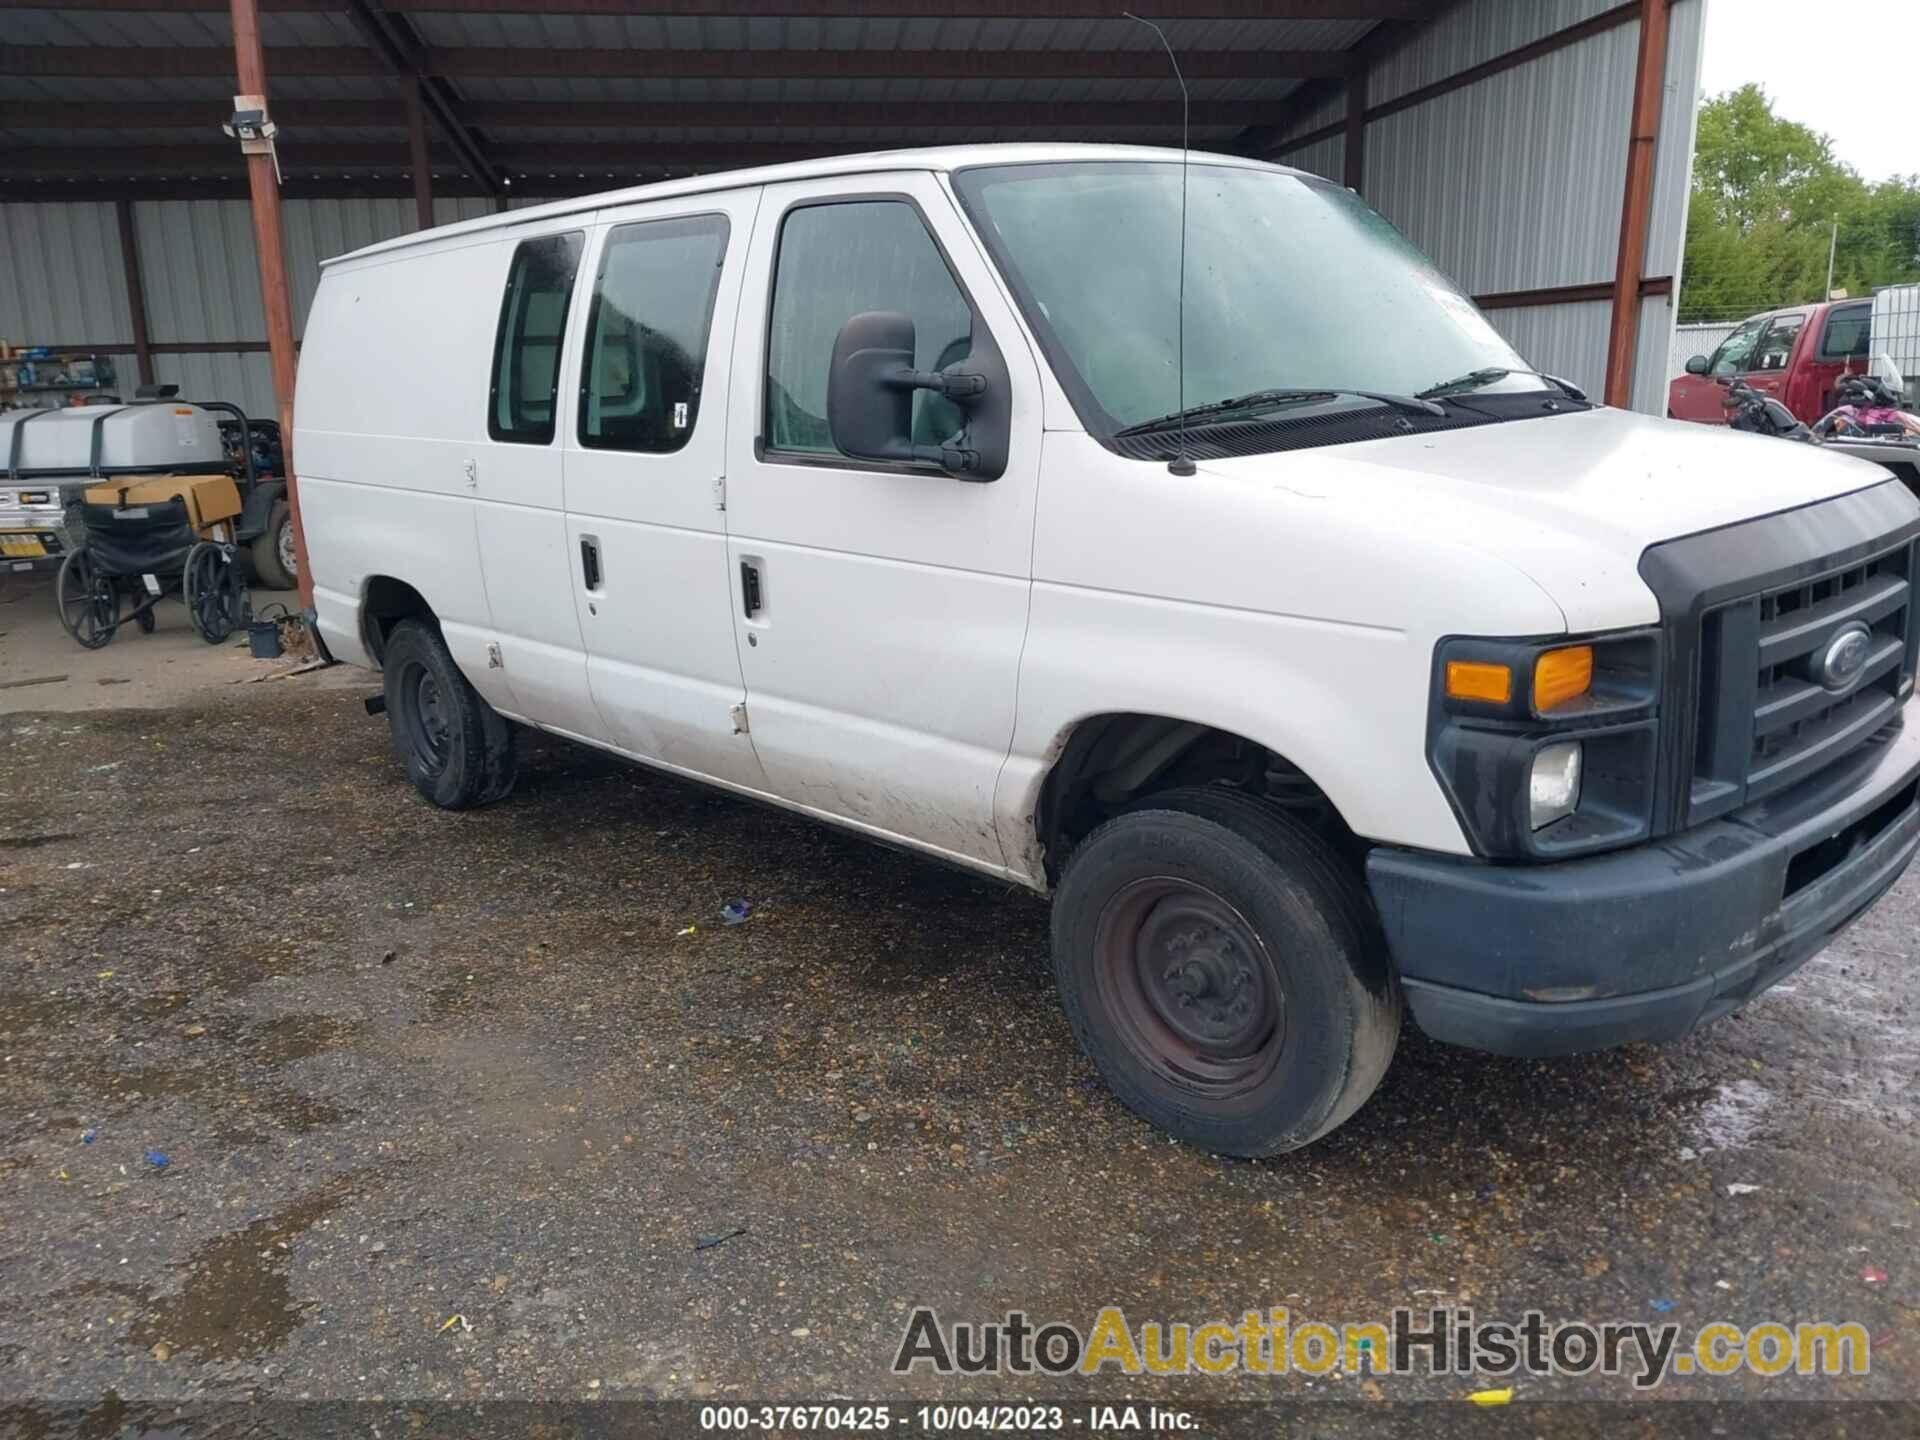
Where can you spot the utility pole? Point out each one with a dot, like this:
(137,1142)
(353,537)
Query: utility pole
(1833,251)
(263,184)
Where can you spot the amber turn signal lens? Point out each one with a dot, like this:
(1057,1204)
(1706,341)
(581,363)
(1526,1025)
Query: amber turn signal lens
(1478,680)
(1562,675)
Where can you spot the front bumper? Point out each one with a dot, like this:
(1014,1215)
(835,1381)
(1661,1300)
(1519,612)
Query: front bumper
(32,540)
(1651,942)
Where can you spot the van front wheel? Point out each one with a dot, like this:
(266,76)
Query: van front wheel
(457,749)
(1224,971)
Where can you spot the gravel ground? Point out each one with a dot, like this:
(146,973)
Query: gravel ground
(406,1066)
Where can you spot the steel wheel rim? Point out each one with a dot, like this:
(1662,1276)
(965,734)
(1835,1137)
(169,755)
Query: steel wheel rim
(1191,987)
(283,547)
(429,725)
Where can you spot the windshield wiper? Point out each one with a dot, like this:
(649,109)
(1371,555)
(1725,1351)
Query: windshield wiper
(1254,399)
(1479,379)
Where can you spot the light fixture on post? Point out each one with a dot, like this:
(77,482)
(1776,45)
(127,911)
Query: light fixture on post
(254,129)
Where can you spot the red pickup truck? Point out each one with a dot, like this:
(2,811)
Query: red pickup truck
(1796,355)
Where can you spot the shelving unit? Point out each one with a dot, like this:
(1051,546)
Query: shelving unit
(31,376)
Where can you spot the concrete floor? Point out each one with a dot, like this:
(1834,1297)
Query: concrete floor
(407,1065)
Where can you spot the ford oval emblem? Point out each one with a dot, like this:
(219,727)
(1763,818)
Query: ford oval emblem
(1845,657)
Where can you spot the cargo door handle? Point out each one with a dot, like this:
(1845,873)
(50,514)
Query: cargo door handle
(590,562)
(750,588)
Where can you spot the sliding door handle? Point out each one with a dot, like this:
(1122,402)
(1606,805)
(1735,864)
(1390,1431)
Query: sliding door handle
(590,562)
(750,588)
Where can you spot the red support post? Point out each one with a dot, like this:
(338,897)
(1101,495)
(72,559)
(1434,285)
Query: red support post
(1356,146)
(421,158)
(1649,90)
(263,184)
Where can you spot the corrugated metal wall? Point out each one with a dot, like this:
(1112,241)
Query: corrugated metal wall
(60,270)
(63,280)
(1516,182)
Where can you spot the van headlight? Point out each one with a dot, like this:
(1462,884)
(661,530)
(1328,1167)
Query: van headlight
(1545,747)
(1554,789)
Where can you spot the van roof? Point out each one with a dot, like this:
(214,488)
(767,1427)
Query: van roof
(943,158)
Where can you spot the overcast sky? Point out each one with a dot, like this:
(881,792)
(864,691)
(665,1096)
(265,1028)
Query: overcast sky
(1829,67)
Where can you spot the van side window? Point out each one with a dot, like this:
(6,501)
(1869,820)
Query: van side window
(647,333)
(836,261)
(526,349)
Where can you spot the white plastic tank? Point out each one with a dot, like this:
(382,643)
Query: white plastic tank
(159,437)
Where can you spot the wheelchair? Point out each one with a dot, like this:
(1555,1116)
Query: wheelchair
(151,540)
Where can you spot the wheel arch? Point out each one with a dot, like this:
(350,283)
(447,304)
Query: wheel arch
(386,600)
(1109,761)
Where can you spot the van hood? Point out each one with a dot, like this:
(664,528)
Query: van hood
(1570,500)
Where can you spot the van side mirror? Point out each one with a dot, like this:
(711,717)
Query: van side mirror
(870,397)
(1697,365)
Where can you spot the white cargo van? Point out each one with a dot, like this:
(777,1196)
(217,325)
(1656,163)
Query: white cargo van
(1332,664)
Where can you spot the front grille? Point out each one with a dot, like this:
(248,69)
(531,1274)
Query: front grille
(1766,719)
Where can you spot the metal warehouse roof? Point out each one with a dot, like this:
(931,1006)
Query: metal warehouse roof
(124,98)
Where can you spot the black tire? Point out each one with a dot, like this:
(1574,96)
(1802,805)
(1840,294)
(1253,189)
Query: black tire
(216,599)
(274,563)
(457,749)
(88,601)
(1224,970)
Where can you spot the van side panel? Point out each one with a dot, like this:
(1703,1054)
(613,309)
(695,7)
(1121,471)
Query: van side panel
(391,401)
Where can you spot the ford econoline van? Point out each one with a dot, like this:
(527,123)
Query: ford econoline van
(1317,657)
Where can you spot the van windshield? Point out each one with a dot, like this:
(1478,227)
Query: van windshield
(1293,285)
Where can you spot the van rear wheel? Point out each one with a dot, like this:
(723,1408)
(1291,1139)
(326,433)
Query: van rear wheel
(1223,969)
(457,749)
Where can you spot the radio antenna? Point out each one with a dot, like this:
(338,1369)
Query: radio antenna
(1182,463)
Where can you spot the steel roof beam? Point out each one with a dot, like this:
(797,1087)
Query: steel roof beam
(587,62)
(105,162)
(821,9)
(399,48)
(907,115)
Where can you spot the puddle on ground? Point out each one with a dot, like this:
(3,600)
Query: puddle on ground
(236,1302)
(1733,1117)
(22,1012)
(34,842)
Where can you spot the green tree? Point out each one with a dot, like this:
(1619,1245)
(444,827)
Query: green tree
(1766,194)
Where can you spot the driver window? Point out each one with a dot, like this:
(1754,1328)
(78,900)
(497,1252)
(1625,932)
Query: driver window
(840,260)
(1731,357)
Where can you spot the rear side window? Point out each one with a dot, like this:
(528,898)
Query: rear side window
(1776,346)
(1847,333)
(837,261)
(526,350)
(647,333)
